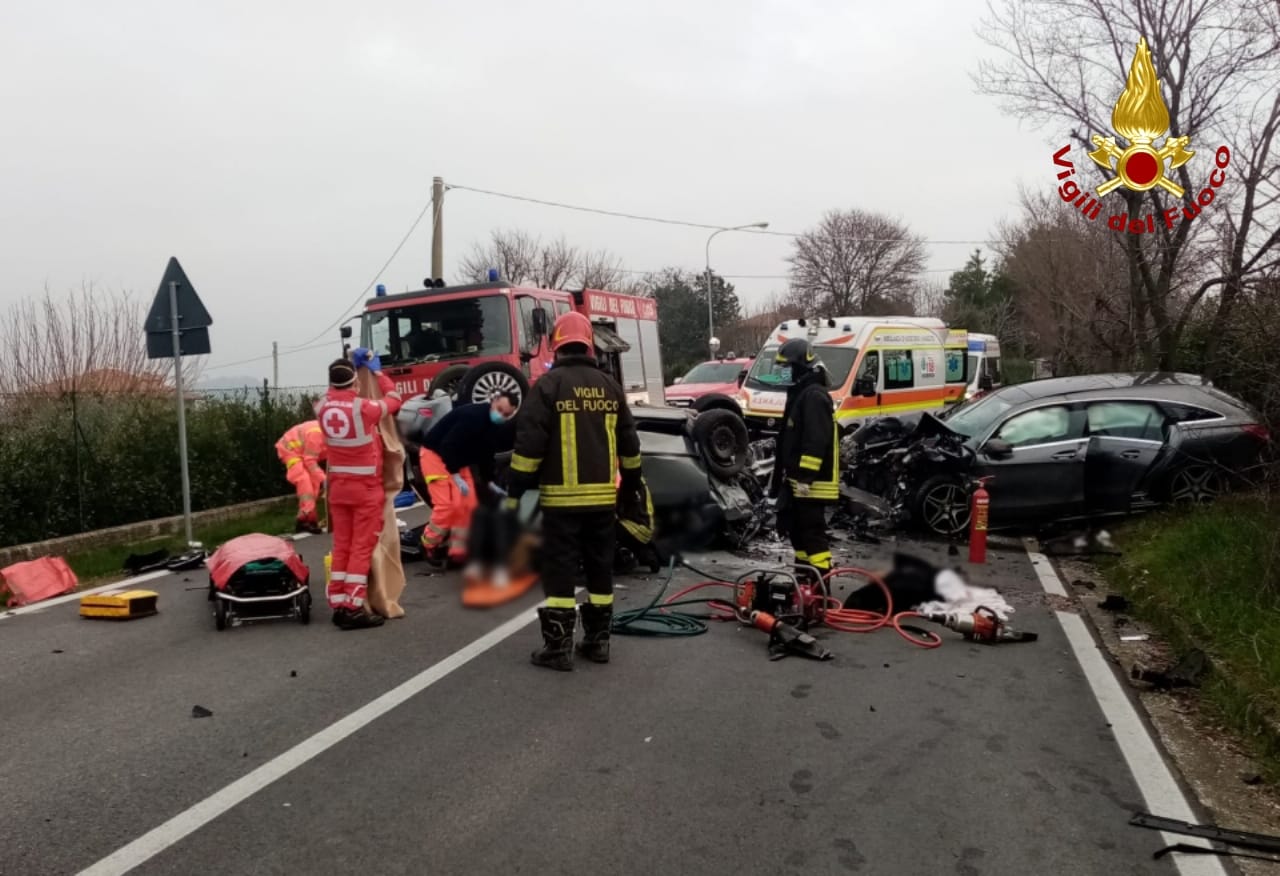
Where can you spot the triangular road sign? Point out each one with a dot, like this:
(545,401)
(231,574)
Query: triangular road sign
(191,310)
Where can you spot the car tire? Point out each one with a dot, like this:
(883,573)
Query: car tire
(448,380)
(722,439)
(941,506)
(1195,484)
(220,614)
(482,381)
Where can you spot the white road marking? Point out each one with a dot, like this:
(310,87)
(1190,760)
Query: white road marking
(1044,569)
(126,584)
(1160,790)
(184,823)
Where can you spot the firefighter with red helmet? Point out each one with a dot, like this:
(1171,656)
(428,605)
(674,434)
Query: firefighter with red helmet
(356,494)
(572,432)
(806,465)
(302,450)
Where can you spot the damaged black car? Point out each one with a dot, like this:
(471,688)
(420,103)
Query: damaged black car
(1059,450)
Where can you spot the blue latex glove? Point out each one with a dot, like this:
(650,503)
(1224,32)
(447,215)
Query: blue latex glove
(462,485)
(366,358)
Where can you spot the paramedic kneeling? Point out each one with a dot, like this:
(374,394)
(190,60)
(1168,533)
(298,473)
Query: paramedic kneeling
(457,463)
(356,495)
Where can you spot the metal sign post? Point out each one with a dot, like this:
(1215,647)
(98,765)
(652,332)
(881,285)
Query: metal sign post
(182,409)
(178,325)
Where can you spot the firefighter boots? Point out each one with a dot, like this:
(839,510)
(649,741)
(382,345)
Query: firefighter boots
(596,621)
(557,638)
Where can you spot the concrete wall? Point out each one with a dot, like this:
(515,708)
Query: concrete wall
(135,533)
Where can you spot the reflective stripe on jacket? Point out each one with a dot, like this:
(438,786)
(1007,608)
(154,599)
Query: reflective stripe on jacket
(350,427)
(809,445)
(573,430)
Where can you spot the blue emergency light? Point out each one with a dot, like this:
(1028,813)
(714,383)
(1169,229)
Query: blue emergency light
(381,290)
(493,275)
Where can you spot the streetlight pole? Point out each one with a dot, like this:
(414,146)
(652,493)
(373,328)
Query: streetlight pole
(711,320)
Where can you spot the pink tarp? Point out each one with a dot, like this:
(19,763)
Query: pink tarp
(35,580)
(253,548)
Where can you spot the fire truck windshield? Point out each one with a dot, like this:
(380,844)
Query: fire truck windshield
(432,331)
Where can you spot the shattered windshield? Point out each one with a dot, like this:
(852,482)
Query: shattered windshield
(431,331)
(974,418)
(764,372)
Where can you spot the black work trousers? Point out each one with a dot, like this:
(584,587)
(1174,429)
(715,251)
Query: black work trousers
(808,531)
(577,550)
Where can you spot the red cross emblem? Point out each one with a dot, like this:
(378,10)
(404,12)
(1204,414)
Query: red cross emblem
(337,424)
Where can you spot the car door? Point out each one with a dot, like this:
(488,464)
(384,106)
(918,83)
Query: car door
(1043,478)
(1125,439)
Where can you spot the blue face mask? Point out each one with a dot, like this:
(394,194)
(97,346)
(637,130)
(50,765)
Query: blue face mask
(496,418)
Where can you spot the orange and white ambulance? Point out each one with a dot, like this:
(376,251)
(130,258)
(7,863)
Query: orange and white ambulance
(876,366)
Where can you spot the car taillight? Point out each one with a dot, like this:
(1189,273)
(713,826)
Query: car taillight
(1257,430)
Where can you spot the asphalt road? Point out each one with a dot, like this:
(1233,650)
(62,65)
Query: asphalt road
(682,755)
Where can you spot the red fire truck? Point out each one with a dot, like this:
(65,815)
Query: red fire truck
(471,341)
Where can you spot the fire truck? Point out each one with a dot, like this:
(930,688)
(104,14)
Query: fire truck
(468,342)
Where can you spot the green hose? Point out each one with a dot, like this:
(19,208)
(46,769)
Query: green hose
(654,621)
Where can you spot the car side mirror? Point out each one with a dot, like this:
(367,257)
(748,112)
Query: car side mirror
(539,322)
(864,387)
(346,332)
(985,383)
(742,377)
(998,448)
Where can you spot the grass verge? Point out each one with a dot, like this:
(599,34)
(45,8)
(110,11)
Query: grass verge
(1209,578)
(104,563)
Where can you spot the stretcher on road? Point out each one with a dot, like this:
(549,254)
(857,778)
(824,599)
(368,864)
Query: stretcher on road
(258,577)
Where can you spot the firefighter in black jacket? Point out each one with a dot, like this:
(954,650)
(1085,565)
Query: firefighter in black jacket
(806,465)
(571,433)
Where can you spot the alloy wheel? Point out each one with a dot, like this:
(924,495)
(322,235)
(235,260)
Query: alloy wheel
(487,385)
(1197,484)
(946,509)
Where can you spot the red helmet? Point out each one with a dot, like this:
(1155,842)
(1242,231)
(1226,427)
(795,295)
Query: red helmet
(573,328)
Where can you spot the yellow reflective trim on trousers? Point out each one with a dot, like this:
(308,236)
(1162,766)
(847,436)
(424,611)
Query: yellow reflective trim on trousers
(630,462)
(524,464)
(802,555)
(811,462)
(292,462)
(431,479)
(578,489)
(821,559)
(826,490)
(642,534)
(561,602)
(611,429)
(600,598)
(569,449)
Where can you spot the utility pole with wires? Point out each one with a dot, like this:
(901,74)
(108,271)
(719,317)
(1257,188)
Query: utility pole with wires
(437,228)
(275,365)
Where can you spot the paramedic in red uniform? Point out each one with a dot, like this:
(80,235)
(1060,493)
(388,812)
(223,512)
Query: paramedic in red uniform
(356,495)
(302,450)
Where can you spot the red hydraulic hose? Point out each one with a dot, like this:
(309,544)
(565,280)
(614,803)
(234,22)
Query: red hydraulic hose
(855,620)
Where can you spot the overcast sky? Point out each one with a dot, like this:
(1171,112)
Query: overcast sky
(281,149)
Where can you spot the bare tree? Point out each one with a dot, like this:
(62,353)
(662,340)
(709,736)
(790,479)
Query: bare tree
(856,262)
(1066,62)
(600,270)
(85,342)
(526,260)
(1070,300)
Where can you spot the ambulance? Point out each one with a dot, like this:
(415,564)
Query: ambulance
(984,364)
(875,366)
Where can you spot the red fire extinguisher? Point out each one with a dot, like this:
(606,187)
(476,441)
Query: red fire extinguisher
(978,522)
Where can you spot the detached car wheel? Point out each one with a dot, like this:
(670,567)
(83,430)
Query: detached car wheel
(483,381)
(1195,485)
(722,437)
(941,506)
